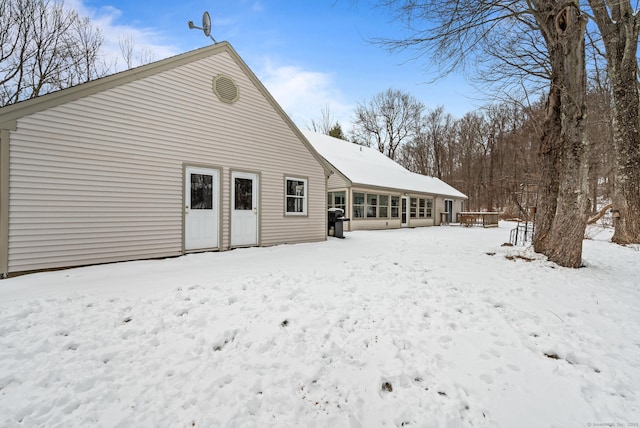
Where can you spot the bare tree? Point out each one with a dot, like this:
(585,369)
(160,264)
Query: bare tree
(450,31)
(387,121)
(127,46)
(416,155)
(327,125)
(437,128)
(326,122)
(44,47)
(619,26)
(86,62)
(146,56)
(562,216)
(472,132)
(600,131)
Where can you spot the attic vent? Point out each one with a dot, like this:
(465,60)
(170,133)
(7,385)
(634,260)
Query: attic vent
(226,89)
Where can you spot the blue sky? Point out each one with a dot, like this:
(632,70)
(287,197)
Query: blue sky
(309,54)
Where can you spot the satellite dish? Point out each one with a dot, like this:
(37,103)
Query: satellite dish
(206,25)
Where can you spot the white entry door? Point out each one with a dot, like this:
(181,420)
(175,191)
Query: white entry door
(244,209)
(201,208)
(404,211)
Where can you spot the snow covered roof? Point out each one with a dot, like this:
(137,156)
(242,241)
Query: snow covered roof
(367,166)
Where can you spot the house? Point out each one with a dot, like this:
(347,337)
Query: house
(190,153)
(378,193)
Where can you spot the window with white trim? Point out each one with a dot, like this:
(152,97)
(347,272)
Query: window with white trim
(395,203)
(295,196)
(383,206)
(372,205)
(424,208)
(358,205)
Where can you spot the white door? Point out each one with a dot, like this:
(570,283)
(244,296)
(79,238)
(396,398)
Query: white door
(404,211)
(244,209)
(201,208)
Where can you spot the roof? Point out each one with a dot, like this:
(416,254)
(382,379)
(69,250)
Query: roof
(23,108)
(367,166)
(11,113)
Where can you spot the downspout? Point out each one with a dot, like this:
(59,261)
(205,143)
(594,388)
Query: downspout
(4,203)
(326,212)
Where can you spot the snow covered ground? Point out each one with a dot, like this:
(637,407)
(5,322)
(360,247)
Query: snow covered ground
(431,327)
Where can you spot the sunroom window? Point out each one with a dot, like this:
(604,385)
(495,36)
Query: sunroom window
(395,204)
(429,210)
(383,206)
(372,205)
(336,200)
(358,205)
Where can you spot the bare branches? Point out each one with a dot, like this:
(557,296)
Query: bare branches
(387,120)
(44,47)
(450,34)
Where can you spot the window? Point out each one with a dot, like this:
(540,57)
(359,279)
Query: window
(358,205)
(429,209)
(372,206)
(336,200)
(201,192)
(425,208)
(395,203)
(383,206)
(421,206)
(243,194)
(295,196)
(340,200)
(413,210)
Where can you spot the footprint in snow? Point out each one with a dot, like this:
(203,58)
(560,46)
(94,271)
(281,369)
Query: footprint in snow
(486,379)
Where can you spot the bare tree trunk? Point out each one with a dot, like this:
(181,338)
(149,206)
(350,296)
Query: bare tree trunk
(619,26)
(563,202)
(626,191)
(549,171)
(453,29)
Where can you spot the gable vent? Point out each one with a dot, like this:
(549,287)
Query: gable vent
(226,89)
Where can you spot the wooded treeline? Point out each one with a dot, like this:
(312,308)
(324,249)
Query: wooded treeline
(532,42)
(489,154)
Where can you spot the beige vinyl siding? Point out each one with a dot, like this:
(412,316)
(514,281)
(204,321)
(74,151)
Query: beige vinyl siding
(439,207)
(375,224)
(421,222)
(100,178)
(336,181)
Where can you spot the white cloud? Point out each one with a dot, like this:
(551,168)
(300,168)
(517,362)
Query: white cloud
(147,43)
(305,94)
